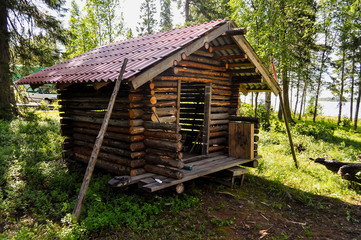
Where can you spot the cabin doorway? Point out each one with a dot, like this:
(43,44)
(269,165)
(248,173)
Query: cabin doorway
(191,117)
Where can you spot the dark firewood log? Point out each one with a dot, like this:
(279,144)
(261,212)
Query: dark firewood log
(347,170)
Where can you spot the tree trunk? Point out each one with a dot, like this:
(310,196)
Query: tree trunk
(256,105)
(319,81)
(186,10)
(342,87)
(268,108)
(302,100)
(297,92)
(7,99)
(358,101)
(285,90)
(352,84)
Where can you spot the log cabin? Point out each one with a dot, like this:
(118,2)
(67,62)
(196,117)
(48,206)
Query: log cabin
(175,116)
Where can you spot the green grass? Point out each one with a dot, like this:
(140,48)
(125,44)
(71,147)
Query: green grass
(38,191)
(321,139)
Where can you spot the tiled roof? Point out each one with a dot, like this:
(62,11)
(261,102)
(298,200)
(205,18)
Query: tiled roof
(104,63)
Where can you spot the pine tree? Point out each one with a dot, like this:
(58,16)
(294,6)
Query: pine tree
(23,25)
(148,23)
(165,15)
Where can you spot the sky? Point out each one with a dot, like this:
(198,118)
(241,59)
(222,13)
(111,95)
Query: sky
(131,12)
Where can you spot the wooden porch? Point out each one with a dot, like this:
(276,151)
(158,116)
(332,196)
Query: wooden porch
(200,165)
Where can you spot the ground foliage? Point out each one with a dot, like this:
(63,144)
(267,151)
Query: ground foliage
(38,191)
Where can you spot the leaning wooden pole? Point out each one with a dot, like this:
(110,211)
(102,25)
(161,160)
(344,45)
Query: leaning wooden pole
(97,145)
(286,120)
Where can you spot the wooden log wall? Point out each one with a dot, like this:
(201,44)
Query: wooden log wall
(82,111)
(196,71)
(162,137)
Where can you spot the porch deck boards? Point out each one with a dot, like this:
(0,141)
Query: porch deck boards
(201,167)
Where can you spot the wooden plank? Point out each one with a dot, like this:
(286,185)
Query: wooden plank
(168,62)
(241,140)
(189,175)
(207,118)
(253,57)
(179,85)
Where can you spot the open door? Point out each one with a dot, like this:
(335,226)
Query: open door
(192,113)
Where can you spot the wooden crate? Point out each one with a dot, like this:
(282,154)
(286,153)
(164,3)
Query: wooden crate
(241,140)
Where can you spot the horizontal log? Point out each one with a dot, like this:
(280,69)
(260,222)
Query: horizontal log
(164,126)
(220,97)
(220,104)
(218,134)
(133,163)
(252,164)
(110,167)
(216,86)
(222,82)
(232,57)
(234,65)
(118,151)
(256,131)
(135,113)
(182,71)
(165,90)
(255,146)
(244,119)
(163,84)
(218,128)
(216,148)
(256,138)
(204,53)
(198,59)
(157,119)
(136,146)
(158,144)
(221,92)
(240,71)
(175,155)
(133,97)
(219,109)
(163,135)
(112,122)
(137,172)
(201,66)
(111,135)
(217,141)
(216,122)
(223,47)
(166,161)
(162,104)
(130,130)
(162,97)
(185,79)
(219,116)
(164,171)
(165,111)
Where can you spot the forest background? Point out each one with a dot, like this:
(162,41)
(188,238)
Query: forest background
(315,45)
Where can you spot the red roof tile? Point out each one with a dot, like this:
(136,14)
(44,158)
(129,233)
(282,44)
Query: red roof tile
(104,63)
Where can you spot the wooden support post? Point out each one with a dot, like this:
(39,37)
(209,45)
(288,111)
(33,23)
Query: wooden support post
(288,130)
(207,118)
(286,119)
(97,145)
(179,85)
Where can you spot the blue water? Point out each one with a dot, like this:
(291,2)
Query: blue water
(331,109)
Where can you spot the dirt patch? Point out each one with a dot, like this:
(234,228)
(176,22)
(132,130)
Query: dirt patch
(254,211)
